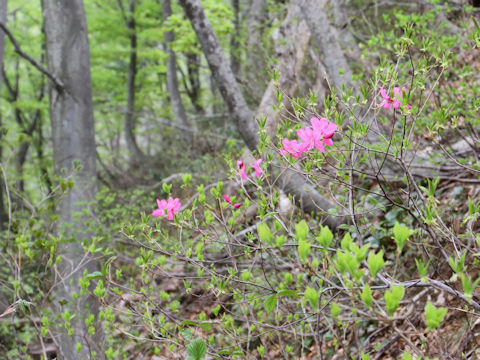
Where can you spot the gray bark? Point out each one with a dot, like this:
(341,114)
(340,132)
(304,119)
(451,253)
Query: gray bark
(221,71)
(291,42)
(71,114)
(137,157)
(172,81)
(3,19)
(257,16)
(292,182)
(234,43)
(327,40)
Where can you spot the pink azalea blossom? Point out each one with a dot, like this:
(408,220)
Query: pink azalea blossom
(256,167)
(227,199)
(167,208)
(395,102)
(241,166)
(292,147)
(324,131)
(309,137)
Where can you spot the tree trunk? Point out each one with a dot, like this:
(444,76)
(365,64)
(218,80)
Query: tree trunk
(257,15)
(234,43)
(137,157)
(243,118)
(71,113)
(221,71)
(172,80)
(291,42)
(3,19)
(326,38)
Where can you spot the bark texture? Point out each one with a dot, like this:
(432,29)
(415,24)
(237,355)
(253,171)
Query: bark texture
(172,81)
(291,43)
(3,20)
(221,71)
(293,183)
(71,113)
(327,40)
(136,155)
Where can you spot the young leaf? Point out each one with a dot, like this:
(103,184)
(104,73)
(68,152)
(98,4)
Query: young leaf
(325,237)
(375,262)
(270,303)
(303,250)
(401,233)
(433,315)
(366,295)
(264,233)
(312,296)
(197,349)
(393,298)
(301,230)
(346,242)
(335,309)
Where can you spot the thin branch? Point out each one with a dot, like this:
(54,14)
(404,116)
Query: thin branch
(58,83)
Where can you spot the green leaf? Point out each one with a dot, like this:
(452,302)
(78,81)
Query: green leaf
(393,298)
(301,230)
(375,262)
(94,275)
(270,303)
(289,293)
(197,349)
(325,237)
(335,309)
(312,296)
(366,295)
(264,233)
(433,315)
(401,233)
(303,250)
(346,242)
(407,356)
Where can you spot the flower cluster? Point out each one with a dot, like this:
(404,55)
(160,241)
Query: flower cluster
(255,166)
(394,102)
(227,199)
(167,208)
(317,136)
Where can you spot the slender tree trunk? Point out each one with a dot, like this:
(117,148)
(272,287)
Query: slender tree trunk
(3,19)
(234,43)
(326,38)
(255,61)
(221,71)
(136,154)
(71,113)
(291,43)
(172,80)
(193,91)
(243,118)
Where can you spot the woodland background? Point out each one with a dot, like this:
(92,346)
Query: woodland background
(107,105)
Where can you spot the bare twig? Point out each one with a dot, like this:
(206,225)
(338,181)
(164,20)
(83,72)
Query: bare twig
(58,83)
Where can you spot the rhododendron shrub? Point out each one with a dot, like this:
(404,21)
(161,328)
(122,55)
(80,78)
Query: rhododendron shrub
(230,267)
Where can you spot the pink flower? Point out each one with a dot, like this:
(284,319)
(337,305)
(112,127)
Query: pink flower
(293,148)
(324,131)
(309,137)
(227,199)
(395,102)
(241,166)
(256,167)
(167,208)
